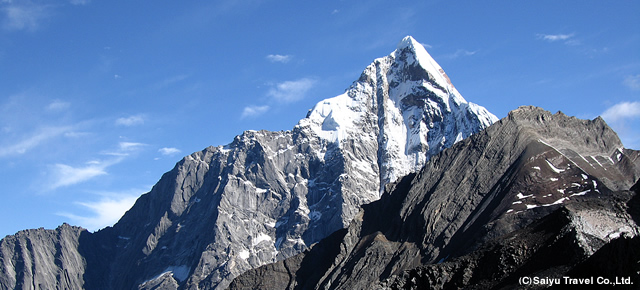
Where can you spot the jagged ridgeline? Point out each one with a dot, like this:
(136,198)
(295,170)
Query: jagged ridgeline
(536,195)
(264,197)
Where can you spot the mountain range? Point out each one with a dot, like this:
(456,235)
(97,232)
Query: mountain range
(399,182)
(534,195)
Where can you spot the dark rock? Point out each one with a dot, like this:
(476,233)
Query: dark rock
(268,196)
(533,195)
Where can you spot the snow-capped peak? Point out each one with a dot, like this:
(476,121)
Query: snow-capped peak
(269,195)
(408,42)
(404,102)
(414,51)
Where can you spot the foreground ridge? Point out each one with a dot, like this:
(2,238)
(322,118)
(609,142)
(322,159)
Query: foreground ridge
(534,195)
(266,196)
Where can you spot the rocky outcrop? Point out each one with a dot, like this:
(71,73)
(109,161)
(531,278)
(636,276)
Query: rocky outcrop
(267,195)
(550,248)
(503,203)
(43,259)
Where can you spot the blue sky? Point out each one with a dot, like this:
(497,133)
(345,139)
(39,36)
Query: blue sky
(99,98)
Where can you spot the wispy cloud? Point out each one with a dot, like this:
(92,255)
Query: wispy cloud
(622,111)
(622,117)
(130,146)
(253,111)
(279,58)
(291,91)
(282,93)
(23,15)
(459,53)
(130,121)
(633,82)
(125,149)
(58,105)
(106,211)
(555,37)
(65,175)
(169,81)
(42,135)
(79,2)
(169,151)
(566,38)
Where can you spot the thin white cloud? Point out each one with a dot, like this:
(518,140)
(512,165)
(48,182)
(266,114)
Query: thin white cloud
(75,134)
(291,91)
(460,53)
(169,151)
(106,211)
(555,37)
(23,15)
(633,82)
(567,39)
(130,146)
(79,2)
(32,141)
(279,58)
(253,111)
(65,175)
(125,149)
(168,82)
(623,118)
(58,105)
(130,121)
(622,111)
(574,41)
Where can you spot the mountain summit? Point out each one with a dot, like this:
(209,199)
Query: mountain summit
(534,195)
(266,196)
(422,57)
(405,106)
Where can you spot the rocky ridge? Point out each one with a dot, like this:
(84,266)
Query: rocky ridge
(267,195)
(535,194)
(28,257)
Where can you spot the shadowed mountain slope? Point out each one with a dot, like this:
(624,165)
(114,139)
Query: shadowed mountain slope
(266,195)
(534,194)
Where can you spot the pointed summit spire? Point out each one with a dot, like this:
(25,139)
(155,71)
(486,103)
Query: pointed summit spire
(406,100)
(423,58)
(408,41)
(267,195)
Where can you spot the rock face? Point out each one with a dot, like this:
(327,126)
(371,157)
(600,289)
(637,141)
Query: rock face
(535,195)
(43,259)
(267,196)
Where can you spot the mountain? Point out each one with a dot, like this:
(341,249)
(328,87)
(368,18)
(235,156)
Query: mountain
(534,195)
(264,197)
